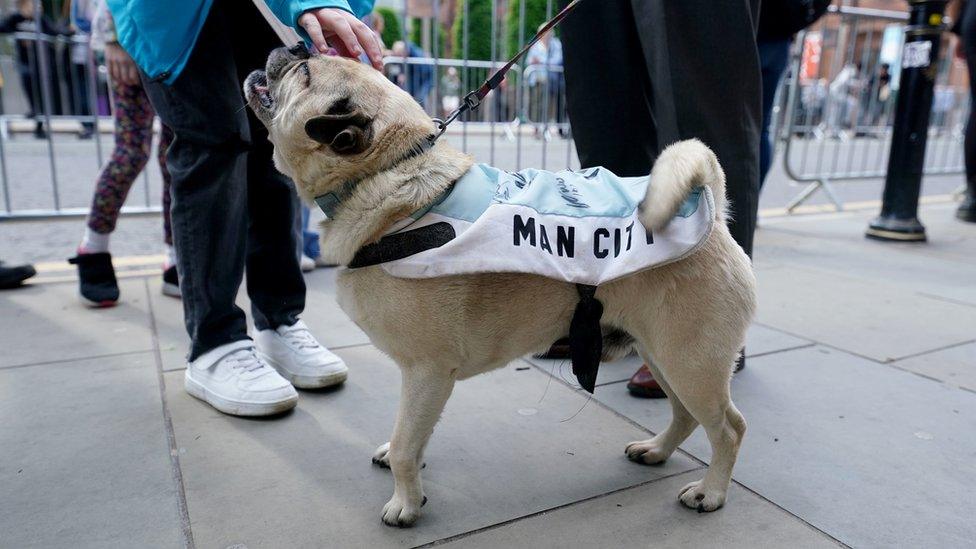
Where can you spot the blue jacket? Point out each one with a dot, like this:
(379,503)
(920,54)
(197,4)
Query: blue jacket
(160,35)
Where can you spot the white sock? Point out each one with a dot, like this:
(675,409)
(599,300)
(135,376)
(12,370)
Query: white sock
(170,256)
(93,242)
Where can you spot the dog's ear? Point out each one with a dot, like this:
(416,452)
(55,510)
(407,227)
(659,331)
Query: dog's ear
(349,133)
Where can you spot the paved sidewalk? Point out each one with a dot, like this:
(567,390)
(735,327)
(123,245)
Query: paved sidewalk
(860,394)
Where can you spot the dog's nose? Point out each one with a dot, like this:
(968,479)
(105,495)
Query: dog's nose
(281,57)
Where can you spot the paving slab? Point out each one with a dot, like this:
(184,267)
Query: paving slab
(510,443)
(942,267)
(955,365)
(867,318)
(651,516)
(760,340)
(84,459)
(872,455)
(47,322)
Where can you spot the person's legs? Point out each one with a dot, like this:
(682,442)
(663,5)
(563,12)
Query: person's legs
(207,162)
(773,57)
(607,89)
(704,71)
(967,210)
(171,278)
(133,133)
(310,239)
(274,278)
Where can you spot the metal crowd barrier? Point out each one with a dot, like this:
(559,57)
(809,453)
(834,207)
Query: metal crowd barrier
(52,87)
(531,101)
(836,106)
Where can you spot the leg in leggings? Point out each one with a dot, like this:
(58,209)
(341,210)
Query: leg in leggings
(133,135)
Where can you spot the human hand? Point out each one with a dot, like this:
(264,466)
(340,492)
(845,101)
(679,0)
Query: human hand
(341,30)
(121,67)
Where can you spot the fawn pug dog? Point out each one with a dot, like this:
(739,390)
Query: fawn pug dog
(333,121)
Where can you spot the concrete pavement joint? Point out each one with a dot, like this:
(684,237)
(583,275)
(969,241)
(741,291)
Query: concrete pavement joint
(684,453)
(174,455)
(946,299)
(74,359)
(476,531)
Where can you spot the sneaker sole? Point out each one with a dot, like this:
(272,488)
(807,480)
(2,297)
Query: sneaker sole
(172,290)
(236,407)
(307,382)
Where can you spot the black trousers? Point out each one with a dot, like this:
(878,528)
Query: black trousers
(968,35)
(642,74)
(231,208)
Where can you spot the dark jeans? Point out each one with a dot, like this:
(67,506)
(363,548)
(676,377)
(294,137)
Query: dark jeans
(968,30)
(665,70)
(231,209)
(773,57)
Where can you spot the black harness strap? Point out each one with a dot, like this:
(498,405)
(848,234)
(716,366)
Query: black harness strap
(405,244)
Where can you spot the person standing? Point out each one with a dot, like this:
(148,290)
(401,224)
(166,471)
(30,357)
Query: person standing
(779,21)
(964,12)
(134,116)
(232,210)
(669,71)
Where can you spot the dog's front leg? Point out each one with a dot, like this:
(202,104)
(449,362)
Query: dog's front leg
(424,392)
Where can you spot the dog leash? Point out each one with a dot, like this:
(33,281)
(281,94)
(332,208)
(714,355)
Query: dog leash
(473,99)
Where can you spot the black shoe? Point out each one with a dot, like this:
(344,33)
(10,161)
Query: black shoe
(171,282)
(87,131)
(39,132)
(96,278)
(967,210)
(13,276)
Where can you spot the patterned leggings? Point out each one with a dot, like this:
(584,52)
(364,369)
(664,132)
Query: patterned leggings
(133,142)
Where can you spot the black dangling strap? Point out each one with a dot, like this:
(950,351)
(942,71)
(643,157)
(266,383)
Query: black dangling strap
(586,337)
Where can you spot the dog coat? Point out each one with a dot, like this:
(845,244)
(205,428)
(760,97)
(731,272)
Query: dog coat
(579,227)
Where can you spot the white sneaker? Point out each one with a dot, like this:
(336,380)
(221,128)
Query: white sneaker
(233,379)
(299,358)
(307,263)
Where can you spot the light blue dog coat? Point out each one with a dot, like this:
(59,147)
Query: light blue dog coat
(579,227)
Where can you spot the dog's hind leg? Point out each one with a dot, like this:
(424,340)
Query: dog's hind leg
(698,375)
(655,450)
(422,398)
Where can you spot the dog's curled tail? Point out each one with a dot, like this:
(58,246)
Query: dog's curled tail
(678,170)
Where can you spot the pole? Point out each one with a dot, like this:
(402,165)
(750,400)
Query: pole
(899,206)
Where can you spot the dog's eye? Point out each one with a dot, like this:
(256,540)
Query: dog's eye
(340,107)
(303,66)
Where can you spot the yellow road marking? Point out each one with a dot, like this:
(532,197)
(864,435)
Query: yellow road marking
(848,206)
(125,261)
(74,278)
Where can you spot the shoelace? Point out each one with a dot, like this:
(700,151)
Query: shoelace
(300,338)
(245,360)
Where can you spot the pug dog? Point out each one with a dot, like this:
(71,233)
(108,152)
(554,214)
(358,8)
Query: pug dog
(334,121)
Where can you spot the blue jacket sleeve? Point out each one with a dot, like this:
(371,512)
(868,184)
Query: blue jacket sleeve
(289,10)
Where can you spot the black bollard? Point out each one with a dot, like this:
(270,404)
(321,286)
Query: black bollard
(903,183)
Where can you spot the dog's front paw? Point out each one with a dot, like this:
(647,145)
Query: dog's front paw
(696,496)
(647,452)
(381,456)
(398,512)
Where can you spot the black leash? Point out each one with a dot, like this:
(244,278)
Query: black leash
(473,100)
